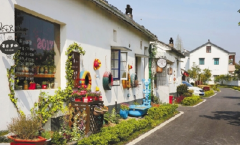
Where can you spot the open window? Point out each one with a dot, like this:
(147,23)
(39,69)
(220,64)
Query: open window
(119,65)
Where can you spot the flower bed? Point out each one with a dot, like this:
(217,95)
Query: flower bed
(122,131)
(209,93)
(190,101)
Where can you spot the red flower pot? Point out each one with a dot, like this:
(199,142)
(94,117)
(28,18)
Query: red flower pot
(44,86)
(90,99)
(95,98)
(100,98)
(78,100)
(39,141)
(85,99)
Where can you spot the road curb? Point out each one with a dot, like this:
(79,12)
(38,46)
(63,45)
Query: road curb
(154,129)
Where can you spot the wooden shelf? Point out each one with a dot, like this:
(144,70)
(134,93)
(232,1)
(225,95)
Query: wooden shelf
(38,76)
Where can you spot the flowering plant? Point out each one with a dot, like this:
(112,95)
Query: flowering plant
(98,93)
(124,106)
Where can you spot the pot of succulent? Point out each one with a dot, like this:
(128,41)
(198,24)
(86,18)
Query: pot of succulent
(104,109)
(97,111)
(25,130)
(124,108)
(44,85)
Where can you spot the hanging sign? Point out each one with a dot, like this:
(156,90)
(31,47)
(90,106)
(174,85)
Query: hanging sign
(9,47)
(162,62)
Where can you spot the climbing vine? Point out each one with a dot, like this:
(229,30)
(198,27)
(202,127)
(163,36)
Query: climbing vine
(48,105)
(152,54)
(11,81)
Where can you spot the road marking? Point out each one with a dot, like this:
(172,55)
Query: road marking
(155,129)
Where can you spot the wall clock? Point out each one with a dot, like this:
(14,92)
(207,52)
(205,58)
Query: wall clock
(162,63)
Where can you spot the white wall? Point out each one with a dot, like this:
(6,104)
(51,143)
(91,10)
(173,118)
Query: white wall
(90,26)
(222,68)
(232,83)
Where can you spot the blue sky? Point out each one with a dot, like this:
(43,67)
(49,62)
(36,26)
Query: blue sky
(195,21)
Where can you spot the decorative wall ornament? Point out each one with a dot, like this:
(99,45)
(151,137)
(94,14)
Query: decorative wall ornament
(96,64)
(107,80)
(85,79)
(169,71)
(126,83)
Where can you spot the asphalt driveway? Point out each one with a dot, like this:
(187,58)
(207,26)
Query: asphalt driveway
(216,121)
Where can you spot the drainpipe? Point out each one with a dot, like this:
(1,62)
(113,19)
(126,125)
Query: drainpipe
(150,70)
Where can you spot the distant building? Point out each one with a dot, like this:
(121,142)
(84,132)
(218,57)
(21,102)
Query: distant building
(210,56)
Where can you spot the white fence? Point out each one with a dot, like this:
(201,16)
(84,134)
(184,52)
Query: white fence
(232,83)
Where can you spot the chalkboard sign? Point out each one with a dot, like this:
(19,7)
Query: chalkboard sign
(9,47)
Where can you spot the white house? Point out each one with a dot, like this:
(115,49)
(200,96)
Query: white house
(209,55)
(166,82)
(99,28)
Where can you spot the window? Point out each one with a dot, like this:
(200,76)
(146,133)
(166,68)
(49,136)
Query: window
(124,66)
(39,50)
(216,61)
(115,64)
(115,35)
(208,49)
(201,61)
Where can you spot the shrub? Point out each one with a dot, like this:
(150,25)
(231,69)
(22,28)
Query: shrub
(25,127)
(188,101)
(208,93)
(181,89)
(58,139)
(113,117)
(206,88)
(179,99)
(120,132)
(155,99)
(46,134)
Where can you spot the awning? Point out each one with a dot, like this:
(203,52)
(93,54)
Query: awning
(141,55)
(122,48)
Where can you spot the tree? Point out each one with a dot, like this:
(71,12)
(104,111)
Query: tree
(194,72)
(219,78)
(206,75)
(239,22)
(179,44)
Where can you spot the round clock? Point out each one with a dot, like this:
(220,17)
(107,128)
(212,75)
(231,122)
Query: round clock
(162,63)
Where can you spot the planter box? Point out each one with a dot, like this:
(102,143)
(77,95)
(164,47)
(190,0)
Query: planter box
(40,141)
(124,113)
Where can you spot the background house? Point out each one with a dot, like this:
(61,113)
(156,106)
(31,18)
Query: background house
(215,58)
(166,83)
(102,31)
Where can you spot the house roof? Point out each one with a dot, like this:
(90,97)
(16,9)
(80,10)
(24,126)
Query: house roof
(173,49)
(212,45)
(112,9)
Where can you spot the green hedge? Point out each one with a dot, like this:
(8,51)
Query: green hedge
(208,93)
(189,101)
(236,88)
(113,135)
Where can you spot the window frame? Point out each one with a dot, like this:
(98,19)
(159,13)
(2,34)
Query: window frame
(119,60)
(214,61)
(121,78)
(208,49)
(200,61)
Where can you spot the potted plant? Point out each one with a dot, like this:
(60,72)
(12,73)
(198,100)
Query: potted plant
(94,96)
(44,85)
(99,96)
(47,135)
(25,86)
(104,109)
(124,108)
(97,111)
(89,95)
(25,130)
(77,95)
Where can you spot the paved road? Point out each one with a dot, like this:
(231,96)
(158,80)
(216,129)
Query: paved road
(214,122)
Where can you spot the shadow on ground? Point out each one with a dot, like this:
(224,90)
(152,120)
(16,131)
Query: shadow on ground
(231,97)
(233,117)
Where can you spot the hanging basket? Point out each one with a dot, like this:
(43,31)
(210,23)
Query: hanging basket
(159,69)
(107,81)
